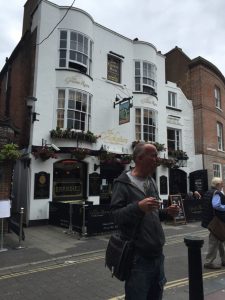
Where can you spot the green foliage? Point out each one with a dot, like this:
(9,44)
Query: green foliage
(73,134)
(9,152)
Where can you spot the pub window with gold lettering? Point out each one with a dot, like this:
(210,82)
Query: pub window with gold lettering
(114,69)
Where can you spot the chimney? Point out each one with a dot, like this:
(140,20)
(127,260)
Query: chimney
(29,7)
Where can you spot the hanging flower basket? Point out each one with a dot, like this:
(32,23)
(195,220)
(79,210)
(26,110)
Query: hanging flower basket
(9,153)
(44,153)
(178,154)
(126,158)
(107,157)
(79,153)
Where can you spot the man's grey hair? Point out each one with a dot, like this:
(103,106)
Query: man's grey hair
(140,149)
(216,181)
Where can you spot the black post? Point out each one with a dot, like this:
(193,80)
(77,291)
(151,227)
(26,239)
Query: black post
(194,245)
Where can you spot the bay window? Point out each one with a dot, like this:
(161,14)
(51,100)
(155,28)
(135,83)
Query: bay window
(73,109)
(75,51)
(145,77)
(145,125)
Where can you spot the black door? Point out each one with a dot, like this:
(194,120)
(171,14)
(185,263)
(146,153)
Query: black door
(177,182)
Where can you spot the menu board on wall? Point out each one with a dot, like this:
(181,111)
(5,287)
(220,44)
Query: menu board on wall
(177,200)
(4,209)
(41,185)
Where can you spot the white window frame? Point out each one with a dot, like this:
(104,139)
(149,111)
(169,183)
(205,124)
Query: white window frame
(172,99)
(145,131)
(217,95)
(75,53)
(176,140)
(220,139)
(81,111)
(217,170)
(145,76)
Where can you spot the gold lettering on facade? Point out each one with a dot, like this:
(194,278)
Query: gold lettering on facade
(113,137)
(77,80)
(149,101)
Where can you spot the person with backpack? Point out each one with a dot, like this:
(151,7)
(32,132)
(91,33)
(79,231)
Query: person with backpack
(214,204)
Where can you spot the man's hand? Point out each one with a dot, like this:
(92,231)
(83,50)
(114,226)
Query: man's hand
(149,204)
(173,210)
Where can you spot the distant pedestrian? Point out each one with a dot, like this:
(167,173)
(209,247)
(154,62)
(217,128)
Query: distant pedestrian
(135,205)
(193,196)
(214,202)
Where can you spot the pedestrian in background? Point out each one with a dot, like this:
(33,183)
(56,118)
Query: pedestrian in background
(214,202)
(135,206)
(193,196)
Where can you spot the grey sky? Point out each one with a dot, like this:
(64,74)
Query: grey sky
(196,26)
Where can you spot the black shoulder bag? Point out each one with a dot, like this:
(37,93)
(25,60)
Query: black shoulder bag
(119,255)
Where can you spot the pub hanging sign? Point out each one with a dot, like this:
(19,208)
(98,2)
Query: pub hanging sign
(124,112)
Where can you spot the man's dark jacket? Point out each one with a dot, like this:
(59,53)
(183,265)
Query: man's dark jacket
(127,215)
(207,208)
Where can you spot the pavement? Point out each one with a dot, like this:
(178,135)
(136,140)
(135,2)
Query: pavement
(49,243)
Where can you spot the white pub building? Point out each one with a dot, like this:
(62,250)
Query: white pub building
(96,93)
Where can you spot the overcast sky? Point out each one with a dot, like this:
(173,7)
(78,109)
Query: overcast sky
(196,26)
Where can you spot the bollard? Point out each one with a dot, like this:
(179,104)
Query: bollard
(70,229)
(21,229)
(194,245)
(84,228)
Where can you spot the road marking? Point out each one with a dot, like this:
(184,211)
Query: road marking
(180,282)
(51,267)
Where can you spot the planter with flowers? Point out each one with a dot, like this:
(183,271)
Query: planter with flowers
(79,153)
(73,134)
(44,153)
(166,162)
(159,147)
(178,154)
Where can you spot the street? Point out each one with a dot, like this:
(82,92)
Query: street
(83,276)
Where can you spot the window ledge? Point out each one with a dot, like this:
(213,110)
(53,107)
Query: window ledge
(72,70)
(144,93)
(173,108)
(219,109)
(219,150)
(113,82)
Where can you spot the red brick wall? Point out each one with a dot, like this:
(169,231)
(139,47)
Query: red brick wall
(21,68)
(5,180)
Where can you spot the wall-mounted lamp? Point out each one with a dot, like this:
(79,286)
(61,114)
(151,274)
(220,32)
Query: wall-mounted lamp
(31,106)
(34,117)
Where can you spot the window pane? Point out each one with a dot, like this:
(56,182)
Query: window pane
(137,68)
(63,44)
(85,45)
(80,43)
(70,114)
(78,105)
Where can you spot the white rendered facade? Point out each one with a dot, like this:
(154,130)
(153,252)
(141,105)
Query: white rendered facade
(55,78)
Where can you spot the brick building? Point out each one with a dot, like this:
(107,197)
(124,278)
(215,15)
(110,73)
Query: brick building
(204,84)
